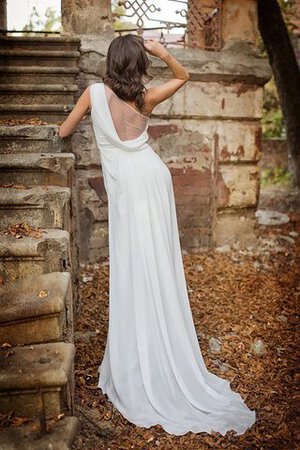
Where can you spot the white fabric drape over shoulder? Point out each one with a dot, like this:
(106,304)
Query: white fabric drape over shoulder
(152,370)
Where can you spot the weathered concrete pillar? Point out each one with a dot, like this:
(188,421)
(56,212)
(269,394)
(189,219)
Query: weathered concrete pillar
(217,144)
(91,20)
(91,17)
(3,14)
(239,22)
(208,133)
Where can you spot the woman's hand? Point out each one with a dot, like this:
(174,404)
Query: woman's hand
(155,48)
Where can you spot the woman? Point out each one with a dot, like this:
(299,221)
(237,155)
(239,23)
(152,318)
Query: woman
(152,370)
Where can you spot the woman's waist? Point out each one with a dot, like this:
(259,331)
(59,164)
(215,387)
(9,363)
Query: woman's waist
(106,146)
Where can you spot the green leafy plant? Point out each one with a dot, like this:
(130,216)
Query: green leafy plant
(277,176)
(50,21)
(272,123)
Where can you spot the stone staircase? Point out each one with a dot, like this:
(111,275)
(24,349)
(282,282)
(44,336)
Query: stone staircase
(37,78)
(37,248)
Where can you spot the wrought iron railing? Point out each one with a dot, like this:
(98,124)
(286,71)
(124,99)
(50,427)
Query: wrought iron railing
(198,24)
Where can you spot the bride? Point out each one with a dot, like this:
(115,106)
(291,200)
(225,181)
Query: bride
(152,369)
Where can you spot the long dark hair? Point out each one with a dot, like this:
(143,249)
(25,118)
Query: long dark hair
(126,63)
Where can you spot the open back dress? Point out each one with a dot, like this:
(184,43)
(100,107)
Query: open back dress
(152,370)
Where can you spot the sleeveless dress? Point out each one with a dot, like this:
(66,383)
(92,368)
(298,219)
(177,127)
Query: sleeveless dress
(152,370)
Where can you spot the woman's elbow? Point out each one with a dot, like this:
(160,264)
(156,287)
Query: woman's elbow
(62,132)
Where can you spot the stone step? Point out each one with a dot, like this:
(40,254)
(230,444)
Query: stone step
(35,94)
(60,435)
(49,113)
(36,169)
(38,75)
(39,206)
(37,379)
(53,58)
(37,309)
(44,252)
(62,43)
(32,139)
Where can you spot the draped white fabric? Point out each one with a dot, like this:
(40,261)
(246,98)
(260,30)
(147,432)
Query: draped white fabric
(152,369)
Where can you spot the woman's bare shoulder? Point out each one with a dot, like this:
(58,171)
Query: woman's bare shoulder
(157,94)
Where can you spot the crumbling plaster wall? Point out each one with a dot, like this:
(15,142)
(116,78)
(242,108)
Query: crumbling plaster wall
(208,133)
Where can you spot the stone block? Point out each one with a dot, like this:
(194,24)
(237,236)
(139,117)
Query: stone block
(52,114)
(182,143)
(37,309)
(192,239)
(37,377)
(36,169)
(99,237)
(240,63)
(237,186)
(93,255)
(225,100)
(39,75)
(31,94)
(32,139)
(239,21)
(235,226)
(84,146)
(188,181)
(40,206)
(48,58)
(61,43)
(238,141)
(92,17)
(21,258)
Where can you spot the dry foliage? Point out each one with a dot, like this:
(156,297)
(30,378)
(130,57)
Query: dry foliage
(22,229)
(249,301)
(15,186)
(25,121)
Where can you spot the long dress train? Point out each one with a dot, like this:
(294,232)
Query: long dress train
(152,369)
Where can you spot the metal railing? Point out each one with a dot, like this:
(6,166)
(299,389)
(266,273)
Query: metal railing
(199,22)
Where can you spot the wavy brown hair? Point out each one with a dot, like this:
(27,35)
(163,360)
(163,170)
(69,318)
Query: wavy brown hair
(126,63)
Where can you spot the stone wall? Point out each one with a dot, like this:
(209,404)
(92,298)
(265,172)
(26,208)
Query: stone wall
(209,135)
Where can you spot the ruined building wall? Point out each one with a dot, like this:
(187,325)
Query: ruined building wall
(208,133)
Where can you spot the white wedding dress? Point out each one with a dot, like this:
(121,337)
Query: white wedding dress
(152,369)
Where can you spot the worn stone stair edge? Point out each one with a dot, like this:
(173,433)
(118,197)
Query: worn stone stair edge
(18,139)
(60,436)
(42,39)
(38,88)
(36,108)
(20,299)
(44,53)
(10,247)
(39,70)
(21,129)
(50,162)
(32,132)
(36,196)
(36,365)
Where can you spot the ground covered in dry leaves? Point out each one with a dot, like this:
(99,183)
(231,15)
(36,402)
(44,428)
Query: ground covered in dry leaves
(245,305)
